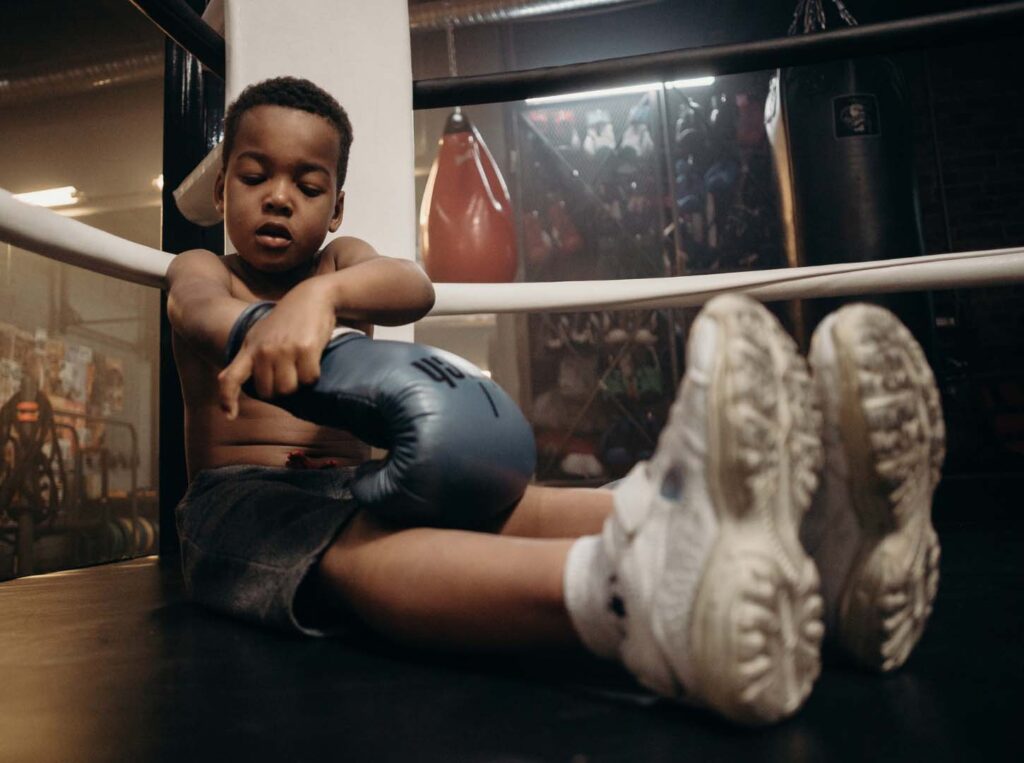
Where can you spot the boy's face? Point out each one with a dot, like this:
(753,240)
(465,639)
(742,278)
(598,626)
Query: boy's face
(278,193)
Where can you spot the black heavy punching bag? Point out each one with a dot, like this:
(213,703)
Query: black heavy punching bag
(842,143)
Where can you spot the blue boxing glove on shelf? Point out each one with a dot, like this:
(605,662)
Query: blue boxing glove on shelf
(460,451)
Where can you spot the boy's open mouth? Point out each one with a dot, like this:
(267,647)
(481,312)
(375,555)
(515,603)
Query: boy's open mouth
(273,235)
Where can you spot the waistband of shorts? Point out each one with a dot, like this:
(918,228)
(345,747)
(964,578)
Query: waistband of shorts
(208,478)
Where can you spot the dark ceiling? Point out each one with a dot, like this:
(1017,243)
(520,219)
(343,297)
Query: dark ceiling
(50,34)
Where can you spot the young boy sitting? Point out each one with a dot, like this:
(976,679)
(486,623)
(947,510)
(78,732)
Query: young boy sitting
(691,572)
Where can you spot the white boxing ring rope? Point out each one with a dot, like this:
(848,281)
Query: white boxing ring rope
(47,233)
(39,230)
(938,271)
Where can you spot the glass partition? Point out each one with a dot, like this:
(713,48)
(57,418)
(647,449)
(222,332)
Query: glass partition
(681,178)
(79,391)
(78,402)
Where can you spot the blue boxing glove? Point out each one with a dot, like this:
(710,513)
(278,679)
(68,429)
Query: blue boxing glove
(460,451)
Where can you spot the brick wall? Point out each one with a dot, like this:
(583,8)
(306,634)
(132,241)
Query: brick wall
(978,103)
(970,155)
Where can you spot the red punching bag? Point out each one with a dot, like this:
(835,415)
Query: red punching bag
(466,226)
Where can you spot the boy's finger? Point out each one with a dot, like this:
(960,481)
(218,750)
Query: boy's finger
(231,380)
(229,397)
(286,379)
(308,367)
(263,377)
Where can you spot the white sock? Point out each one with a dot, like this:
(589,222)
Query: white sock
(587,598)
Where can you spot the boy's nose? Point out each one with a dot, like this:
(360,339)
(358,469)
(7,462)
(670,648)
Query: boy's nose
(277,206)
(277,202)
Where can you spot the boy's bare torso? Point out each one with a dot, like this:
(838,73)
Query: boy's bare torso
(262,434)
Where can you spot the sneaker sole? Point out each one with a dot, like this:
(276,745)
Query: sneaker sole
(755,627)
(887,410)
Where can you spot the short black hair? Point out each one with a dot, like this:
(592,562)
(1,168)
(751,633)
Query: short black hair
(294,93)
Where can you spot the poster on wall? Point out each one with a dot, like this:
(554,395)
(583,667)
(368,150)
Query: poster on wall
(10,368)
(106,397)
(24,352)
(76,379)
(53,358)
(74,376)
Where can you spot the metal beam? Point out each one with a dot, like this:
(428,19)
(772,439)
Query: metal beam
(987,22)
(178,20)
(187,28)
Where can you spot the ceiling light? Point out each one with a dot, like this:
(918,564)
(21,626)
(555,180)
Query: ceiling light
(51,197)
(683,84)
(594,94)
(679,84)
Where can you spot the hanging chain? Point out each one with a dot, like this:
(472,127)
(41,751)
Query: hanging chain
(453,69)
(810,15)
(449,30)
(844,13)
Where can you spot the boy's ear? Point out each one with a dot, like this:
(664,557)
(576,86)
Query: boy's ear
(339,212)
(218,192)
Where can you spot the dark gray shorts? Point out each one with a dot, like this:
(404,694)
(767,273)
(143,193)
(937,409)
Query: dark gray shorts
(250,535)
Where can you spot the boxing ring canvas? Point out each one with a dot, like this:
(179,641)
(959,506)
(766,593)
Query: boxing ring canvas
(131,671)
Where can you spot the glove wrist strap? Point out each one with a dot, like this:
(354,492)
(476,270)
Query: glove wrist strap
(245,321)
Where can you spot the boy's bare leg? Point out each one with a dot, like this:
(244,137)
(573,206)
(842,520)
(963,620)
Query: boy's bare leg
(451,589)
(559,512)
(697,582)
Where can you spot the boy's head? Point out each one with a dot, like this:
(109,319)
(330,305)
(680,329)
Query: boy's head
(285,154)
(292,93)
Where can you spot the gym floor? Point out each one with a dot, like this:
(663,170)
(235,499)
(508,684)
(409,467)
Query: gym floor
(111,663)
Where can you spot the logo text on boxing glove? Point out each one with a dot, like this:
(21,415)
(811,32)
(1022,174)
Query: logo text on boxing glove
(445,373)
(438,370)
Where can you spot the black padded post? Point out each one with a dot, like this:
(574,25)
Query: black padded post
(193,119)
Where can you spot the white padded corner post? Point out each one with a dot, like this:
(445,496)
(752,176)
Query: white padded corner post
(358,51)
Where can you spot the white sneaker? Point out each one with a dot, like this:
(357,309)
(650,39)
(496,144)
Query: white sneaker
(870,528)
(717,601)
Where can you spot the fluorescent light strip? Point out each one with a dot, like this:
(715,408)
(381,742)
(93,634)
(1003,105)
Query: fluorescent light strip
(595,93)
(685,84)
(51,197)
(679,84)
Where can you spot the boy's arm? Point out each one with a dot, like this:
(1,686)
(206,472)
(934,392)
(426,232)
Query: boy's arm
(200,307)
(355,285)
(369,288)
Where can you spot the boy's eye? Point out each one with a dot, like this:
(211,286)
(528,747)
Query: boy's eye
(252,179)
(310,190)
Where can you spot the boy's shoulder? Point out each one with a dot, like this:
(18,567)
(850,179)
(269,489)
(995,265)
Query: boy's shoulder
(228,271)
(197,264)
(346,251)
(195,257)
(201,268)
(202,265)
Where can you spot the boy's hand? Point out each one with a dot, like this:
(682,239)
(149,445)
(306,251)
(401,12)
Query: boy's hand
(281,351)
